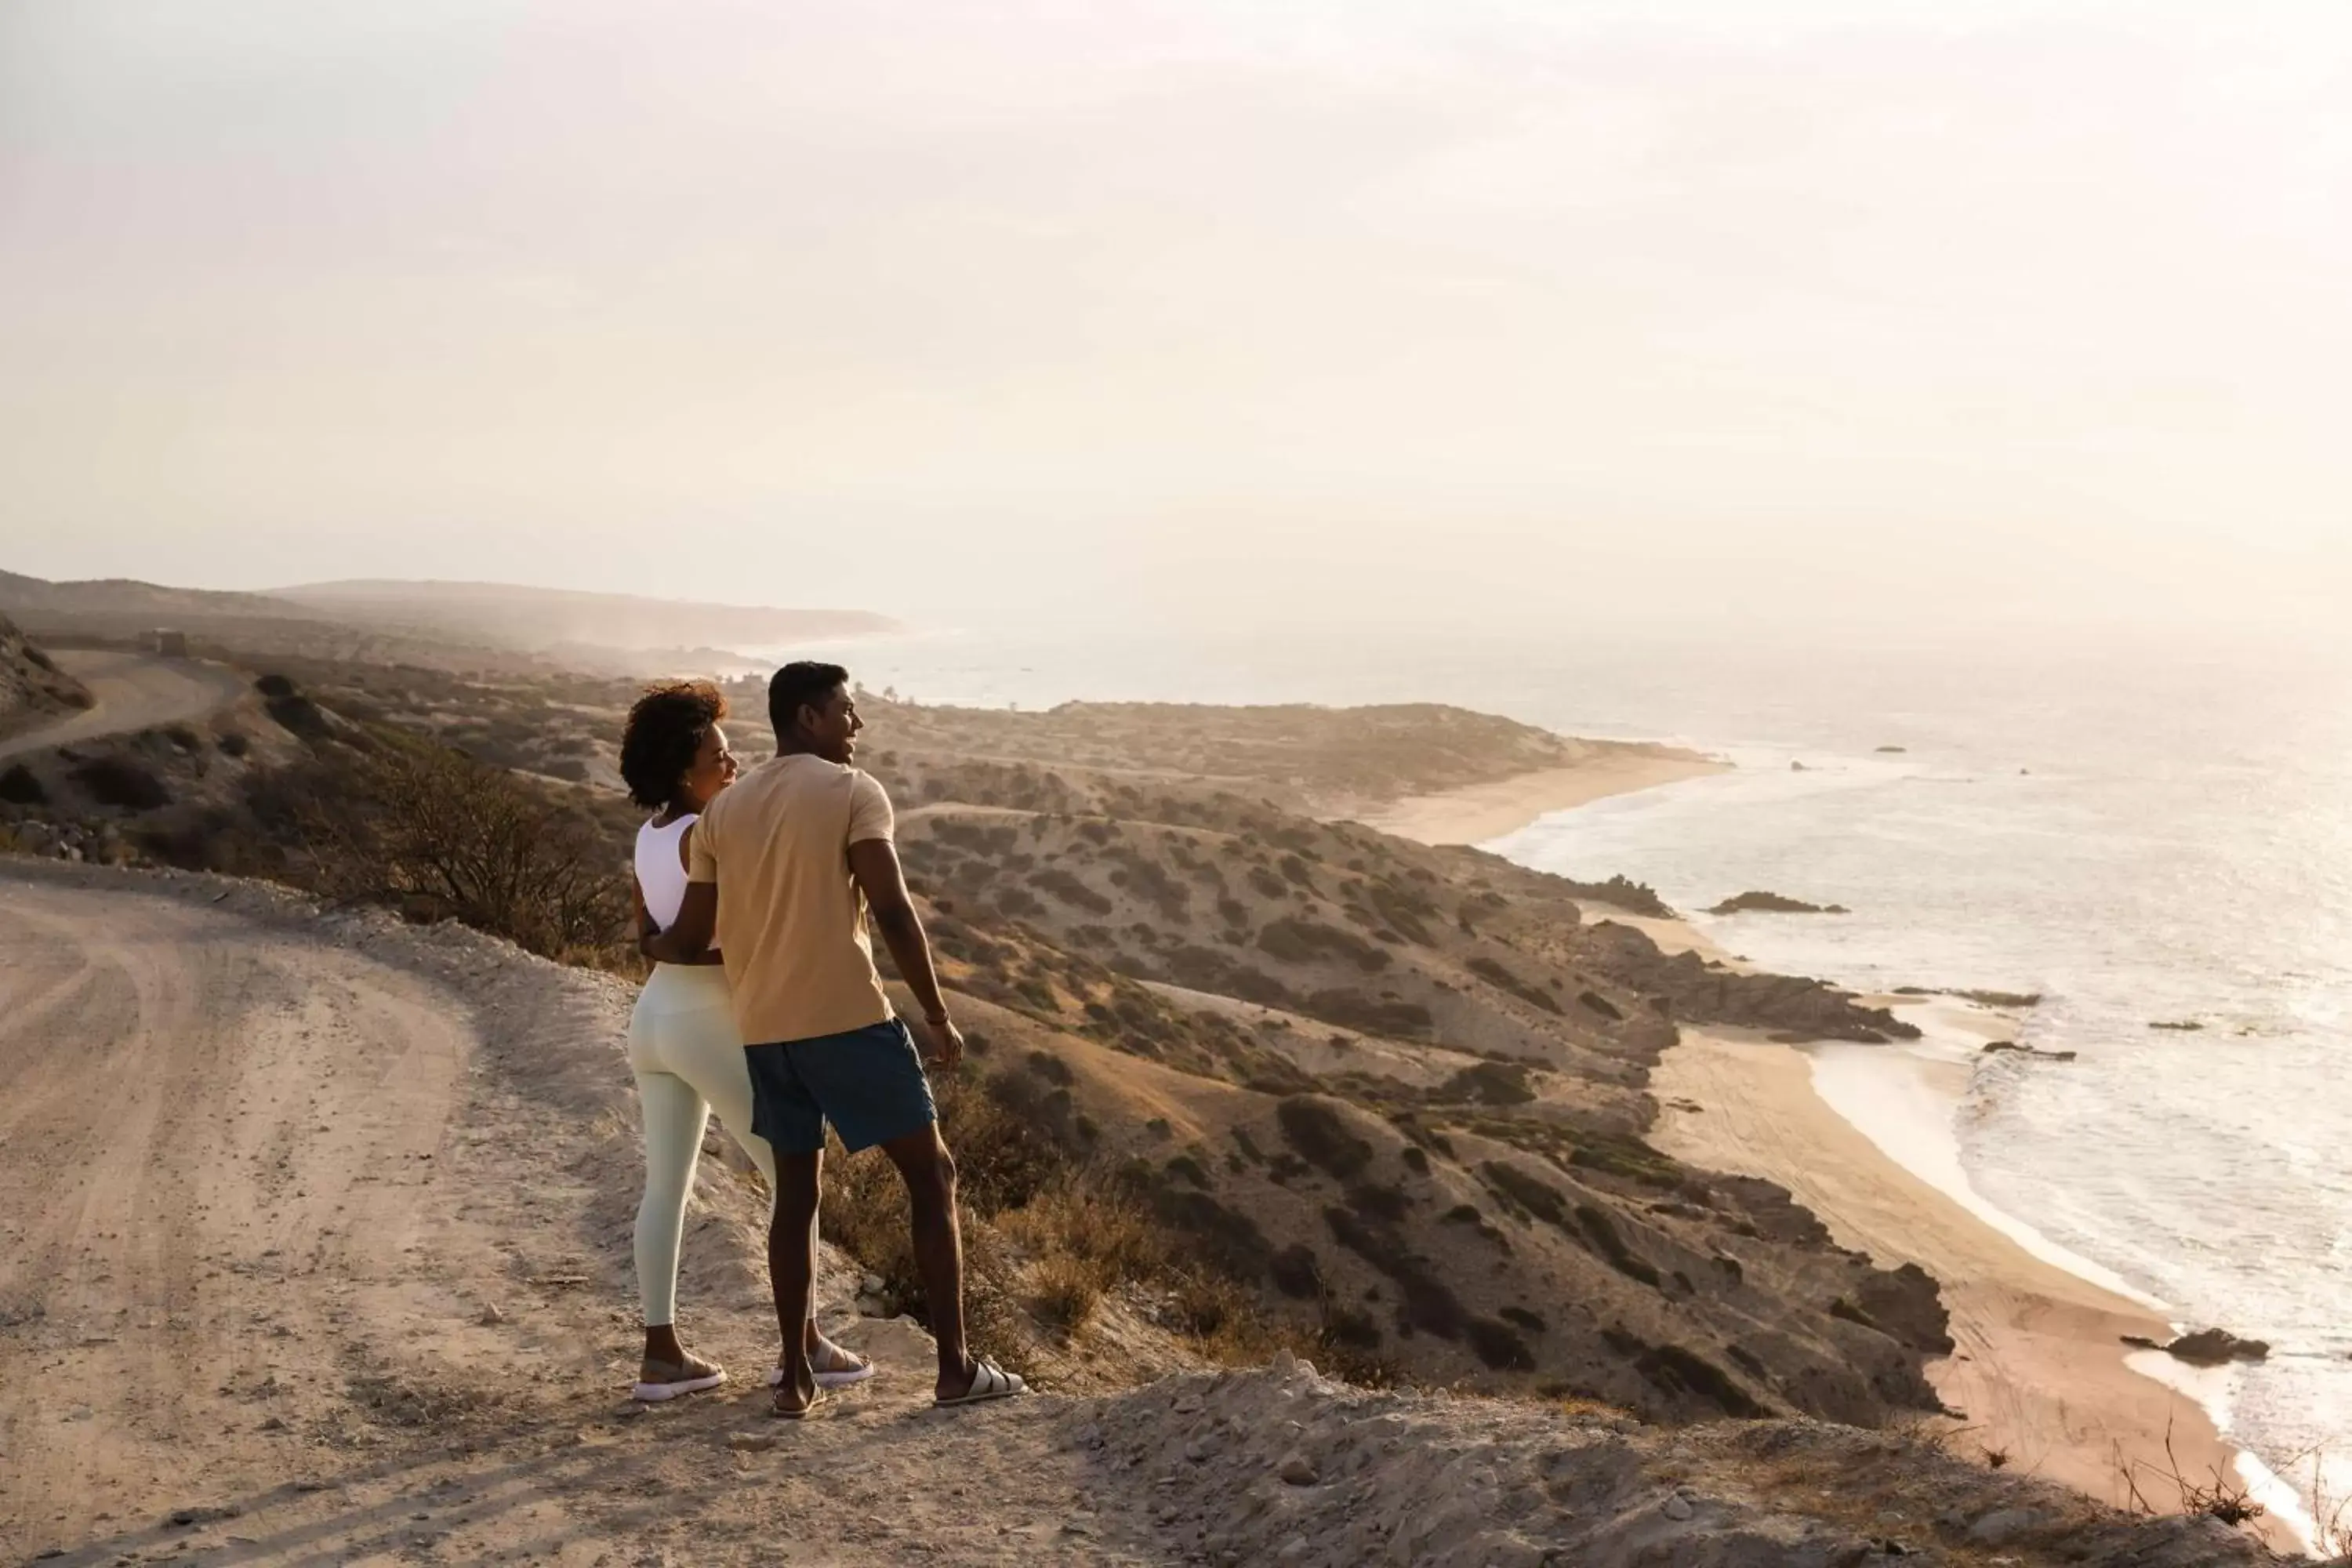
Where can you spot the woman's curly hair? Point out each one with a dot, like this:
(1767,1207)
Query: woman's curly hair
(665,730)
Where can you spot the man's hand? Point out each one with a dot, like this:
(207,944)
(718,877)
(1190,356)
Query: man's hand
(947,1044)
(688,940)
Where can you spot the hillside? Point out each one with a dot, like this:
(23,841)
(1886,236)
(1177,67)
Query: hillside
(33,690)
(1321,761)
(550,619)
(1402,1092)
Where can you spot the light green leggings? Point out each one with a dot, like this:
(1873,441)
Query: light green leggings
(688,1061)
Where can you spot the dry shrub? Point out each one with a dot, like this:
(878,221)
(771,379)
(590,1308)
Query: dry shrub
(1085,1238)
(1049,1238)
(122,782)
(2216,1496)
(1064,1288)
(19,786)
(434,833)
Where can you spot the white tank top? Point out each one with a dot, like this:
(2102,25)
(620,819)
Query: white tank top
(661,877)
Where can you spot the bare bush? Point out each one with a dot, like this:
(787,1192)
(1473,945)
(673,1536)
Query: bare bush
(2216,1496)
(437,834)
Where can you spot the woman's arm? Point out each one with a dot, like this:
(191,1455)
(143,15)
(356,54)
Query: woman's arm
(676,945)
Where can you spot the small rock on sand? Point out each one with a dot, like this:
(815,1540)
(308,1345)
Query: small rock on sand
(1298,1470)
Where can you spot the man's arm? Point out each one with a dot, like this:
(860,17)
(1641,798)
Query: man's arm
(687,941)
(875,863)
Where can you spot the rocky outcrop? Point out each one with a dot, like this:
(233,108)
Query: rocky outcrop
(1695,992)
(2205,1347)
(1755,902)
(1624,893)
(33,690)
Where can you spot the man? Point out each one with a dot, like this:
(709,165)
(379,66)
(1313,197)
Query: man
(784,867)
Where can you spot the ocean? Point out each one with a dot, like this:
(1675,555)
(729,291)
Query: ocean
(2143,829)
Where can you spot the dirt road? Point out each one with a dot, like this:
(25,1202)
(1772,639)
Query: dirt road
(284,1223)
(134,692)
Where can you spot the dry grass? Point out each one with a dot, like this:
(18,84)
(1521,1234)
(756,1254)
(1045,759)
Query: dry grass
(2215,1497)
(1050,1239)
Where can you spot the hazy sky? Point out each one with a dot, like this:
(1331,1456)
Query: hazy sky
(1431,310)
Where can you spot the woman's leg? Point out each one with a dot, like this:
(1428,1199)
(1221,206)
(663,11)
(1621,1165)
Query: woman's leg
(711,1053)
(674,1115)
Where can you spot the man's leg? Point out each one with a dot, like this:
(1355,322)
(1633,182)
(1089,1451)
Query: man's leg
(929,1172)
(792,1270)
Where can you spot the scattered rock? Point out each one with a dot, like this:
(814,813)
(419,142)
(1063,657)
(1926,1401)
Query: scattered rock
(2179,1026)
(1757,902)
(491,1316)
(751,1442)
(2205,1347)
(1997,1048)
(1676,1507)
(1297,1471)
(2001,998)
(1892,751)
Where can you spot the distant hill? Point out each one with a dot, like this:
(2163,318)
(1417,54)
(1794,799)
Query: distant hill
(452,625)
(544,618)
(122,599)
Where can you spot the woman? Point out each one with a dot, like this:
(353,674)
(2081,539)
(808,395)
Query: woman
(683,1046)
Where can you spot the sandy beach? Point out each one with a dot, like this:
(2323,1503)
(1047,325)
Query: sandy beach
(2040,1373)
(1480,812)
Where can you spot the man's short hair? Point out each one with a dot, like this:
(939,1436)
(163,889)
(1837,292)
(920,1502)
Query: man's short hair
(803,683)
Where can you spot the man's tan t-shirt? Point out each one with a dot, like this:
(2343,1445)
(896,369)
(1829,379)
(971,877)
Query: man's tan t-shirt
(792,921)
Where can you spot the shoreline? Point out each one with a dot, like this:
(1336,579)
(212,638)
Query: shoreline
(2041,1373)
(1866,1138)
(1478,812)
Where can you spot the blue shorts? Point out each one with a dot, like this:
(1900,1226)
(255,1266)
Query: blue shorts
(867,1082)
